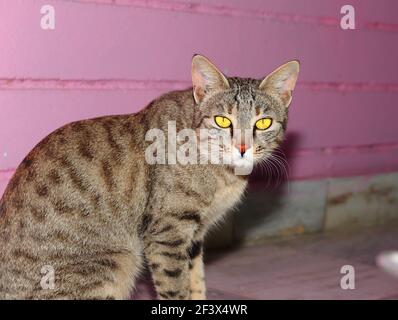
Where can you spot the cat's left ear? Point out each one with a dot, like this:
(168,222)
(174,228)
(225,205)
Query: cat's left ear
(281,82)
(206,78)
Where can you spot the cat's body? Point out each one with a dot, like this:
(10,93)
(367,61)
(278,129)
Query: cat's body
(85,194)
(86,205)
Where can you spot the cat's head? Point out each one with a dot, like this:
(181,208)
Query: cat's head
(251,113)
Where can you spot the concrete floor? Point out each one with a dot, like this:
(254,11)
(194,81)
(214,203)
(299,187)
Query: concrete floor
(307,267)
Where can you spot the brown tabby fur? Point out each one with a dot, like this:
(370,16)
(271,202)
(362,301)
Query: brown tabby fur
(85,202)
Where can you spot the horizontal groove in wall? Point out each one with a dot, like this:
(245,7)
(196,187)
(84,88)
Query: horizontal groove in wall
(230,11)
(121,84)
(348,87)
(99,84)
(6,174)
(381,147)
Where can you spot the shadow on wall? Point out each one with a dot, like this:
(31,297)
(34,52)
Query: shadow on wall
(273,205)
(266,200)
(276,171)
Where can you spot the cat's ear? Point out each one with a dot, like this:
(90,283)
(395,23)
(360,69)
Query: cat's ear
(206,78)
(281,82)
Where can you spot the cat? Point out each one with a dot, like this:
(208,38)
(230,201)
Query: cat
(85,213)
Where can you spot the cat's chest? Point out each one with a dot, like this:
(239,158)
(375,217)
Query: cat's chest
(226,196)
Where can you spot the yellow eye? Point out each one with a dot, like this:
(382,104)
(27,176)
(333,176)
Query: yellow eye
(222,122)
(263,124)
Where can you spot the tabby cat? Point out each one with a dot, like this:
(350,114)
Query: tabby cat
(85,212)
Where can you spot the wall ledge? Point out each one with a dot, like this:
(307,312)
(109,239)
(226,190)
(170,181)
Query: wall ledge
(314,206)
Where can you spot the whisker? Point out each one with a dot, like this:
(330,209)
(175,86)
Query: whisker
(284,167)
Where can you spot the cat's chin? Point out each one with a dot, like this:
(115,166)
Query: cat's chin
(242,166)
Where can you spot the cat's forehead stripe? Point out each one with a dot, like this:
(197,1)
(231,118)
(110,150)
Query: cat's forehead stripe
(245,88)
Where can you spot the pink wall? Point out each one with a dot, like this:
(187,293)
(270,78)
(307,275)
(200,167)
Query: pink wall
(114,56)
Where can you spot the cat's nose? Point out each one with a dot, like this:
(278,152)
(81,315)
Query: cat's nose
(242,149)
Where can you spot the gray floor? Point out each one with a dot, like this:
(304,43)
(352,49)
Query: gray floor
(307,267)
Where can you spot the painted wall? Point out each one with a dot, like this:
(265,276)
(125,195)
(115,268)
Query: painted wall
(114,56)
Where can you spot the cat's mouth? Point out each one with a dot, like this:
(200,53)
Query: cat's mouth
(243,164)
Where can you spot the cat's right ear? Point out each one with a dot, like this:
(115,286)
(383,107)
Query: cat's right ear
(206,78)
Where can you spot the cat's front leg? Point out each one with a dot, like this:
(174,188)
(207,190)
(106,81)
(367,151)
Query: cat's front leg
(168,260)
(196,270)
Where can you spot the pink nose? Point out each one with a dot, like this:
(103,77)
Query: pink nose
(242,148)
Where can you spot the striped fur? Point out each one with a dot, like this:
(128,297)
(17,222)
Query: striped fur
(85,203)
